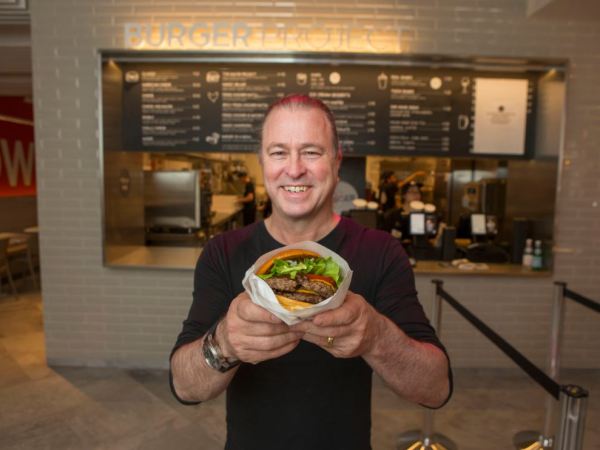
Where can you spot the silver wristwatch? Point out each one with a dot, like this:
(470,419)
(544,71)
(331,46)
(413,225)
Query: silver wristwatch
(213,355)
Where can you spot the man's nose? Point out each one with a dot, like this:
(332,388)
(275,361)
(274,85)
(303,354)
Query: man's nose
(296,167)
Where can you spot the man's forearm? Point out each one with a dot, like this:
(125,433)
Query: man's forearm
(417,371)
(193,378)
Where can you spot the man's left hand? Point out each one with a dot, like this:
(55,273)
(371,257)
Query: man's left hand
(345,332)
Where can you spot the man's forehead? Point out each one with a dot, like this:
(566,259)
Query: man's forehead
(307,111)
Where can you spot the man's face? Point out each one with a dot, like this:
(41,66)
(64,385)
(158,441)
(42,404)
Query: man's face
(299,162)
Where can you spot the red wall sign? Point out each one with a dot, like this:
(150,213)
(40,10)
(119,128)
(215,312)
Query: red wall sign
(17,155)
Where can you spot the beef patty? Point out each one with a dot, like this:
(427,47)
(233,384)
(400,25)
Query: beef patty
(289,287)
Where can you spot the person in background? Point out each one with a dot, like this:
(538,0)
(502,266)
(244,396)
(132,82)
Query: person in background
(306,386)
(388,188)
(410,192)
(248,200)
(397,218)
(265,207)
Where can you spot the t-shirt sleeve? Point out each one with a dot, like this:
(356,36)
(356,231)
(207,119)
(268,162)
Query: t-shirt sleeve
(211,299)
(397,299)
(396,295)
(211,296)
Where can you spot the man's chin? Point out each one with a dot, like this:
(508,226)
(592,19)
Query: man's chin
(294,212)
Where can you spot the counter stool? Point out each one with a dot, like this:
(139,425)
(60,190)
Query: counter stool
(33,245)
(5,266)
(24,252)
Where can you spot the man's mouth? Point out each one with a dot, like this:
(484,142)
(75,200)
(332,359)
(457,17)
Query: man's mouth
(302,188)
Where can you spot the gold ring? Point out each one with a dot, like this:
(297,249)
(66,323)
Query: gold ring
(330,340)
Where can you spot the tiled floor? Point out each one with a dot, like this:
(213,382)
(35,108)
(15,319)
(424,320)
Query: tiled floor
(91,408)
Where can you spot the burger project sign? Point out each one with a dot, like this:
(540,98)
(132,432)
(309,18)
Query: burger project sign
(243,36)
(262,295)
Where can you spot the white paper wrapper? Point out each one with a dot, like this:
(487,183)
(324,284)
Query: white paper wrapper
(262,295)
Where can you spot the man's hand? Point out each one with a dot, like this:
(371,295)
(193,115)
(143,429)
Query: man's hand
(417,371)
(354,327)
(252,334)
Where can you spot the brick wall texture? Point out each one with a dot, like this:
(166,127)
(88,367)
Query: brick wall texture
(95,315)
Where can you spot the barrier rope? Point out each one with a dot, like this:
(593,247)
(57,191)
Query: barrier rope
(551,386)
(582,300)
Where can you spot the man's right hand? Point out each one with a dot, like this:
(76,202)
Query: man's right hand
(252,334)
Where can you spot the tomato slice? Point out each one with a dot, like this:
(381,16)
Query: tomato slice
(322,278)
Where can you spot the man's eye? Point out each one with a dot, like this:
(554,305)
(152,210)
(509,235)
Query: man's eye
(277,154)
(311,154)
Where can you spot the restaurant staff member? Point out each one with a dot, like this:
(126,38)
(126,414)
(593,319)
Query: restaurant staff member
(306,386)
(398,218)
(410,192)
(388,188)
(248,200)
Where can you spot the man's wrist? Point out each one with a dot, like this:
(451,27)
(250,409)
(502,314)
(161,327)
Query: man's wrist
(213,353)
(380,338)
(223,342)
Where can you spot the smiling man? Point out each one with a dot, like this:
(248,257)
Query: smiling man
(300,159)
(307,386)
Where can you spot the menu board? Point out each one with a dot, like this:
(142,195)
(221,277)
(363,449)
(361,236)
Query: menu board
(379,109)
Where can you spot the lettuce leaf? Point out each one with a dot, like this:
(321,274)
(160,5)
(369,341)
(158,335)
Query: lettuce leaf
(319,266)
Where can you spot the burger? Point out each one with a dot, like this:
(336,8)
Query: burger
(301,278)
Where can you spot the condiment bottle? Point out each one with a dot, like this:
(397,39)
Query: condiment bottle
(537,262)
(528,254)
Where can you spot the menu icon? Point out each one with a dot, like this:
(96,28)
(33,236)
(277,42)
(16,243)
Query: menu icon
(213,76)
(132,76)
(301,78)
(382,81)
(213,138)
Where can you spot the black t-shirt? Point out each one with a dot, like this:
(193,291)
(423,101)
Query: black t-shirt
(306,399)
(390,190)
(249,208)
(249,188)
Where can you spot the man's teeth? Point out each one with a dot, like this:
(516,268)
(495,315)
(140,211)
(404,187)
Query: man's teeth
(295,188)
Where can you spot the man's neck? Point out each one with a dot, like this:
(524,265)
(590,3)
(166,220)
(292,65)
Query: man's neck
(292,231)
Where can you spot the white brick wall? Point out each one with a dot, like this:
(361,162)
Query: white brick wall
(99,316)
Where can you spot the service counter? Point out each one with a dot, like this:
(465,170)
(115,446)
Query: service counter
(152,257)
(443,268)
(175,256)
(185,258)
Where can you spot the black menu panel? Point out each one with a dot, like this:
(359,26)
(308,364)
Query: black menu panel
(383,110)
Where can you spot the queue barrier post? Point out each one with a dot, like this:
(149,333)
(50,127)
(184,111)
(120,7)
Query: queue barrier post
(573,408)
(534,440)
(426,439)
(573,399)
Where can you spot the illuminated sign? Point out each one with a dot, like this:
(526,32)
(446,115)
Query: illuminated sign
(240,35)
(17,156)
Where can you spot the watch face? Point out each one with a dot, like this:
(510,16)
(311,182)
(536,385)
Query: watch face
(213,356)
(208,356)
